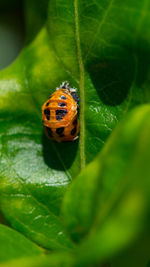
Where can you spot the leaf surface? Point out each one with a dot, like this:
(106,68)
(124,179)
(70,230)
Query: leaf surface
(91,44)
(15,245)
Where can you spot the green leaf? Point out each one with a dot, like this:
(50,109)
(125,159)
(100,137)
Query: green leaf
(54,259)
(95,44)
(137,255)
(107,206)
(27,187)
(15,245)
(104,64)
(32,173)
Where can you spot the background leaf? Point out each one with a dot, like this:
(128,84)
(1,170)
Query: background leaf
(137,255)
(55,259)
(11,31)
(111,213)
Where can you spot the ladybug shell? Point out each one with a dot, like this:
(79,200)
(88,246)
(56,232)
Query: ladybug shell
(59,114)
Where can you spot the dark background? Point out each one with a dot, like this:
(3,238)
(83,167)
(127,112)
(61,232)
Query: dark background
(11,31)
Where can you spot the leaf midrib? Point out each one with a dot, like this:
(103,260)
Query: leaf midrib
(81,85)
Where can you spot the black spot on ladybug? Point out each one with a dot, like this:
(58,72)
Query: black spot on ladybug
(60,114)
(47,104)
(75,122)
(61,104)
(59,131)
(49,131)
(61,135)
(58,118)
(47,113)
(73,131)
(63,97)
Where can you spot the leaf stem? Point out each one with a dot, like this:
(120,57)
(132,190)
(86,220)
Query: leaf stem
(82,97)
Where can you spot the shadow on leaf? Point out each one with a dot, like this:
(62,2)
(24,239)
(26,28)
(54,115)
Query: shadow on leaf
(59,156)
(113,78)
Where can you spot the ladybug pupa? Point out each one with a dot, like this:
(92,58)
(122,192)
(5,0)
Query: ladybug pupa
(60,114)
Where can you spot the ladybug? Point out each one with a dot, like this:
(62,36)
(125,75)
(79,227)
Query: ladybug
(60,114)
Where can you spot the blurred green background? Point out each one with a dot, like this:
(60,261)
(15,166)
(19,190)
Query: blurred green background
(11,31)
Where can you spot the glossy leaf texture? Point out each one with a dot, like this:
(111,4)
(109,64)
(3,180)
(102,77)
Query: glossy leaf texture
(106,208)
(25,194)
(16,246)
(91,44)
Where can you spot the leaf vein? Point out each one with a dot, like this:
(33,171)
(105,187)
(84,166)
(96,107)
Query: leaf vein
(100,27)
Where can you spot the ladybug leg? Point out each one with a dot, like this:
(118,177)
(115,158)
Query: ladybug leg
(76,138)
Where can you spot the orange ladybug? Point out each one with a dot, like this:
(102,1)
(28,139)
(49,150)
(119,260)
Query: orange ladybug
(60,114)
